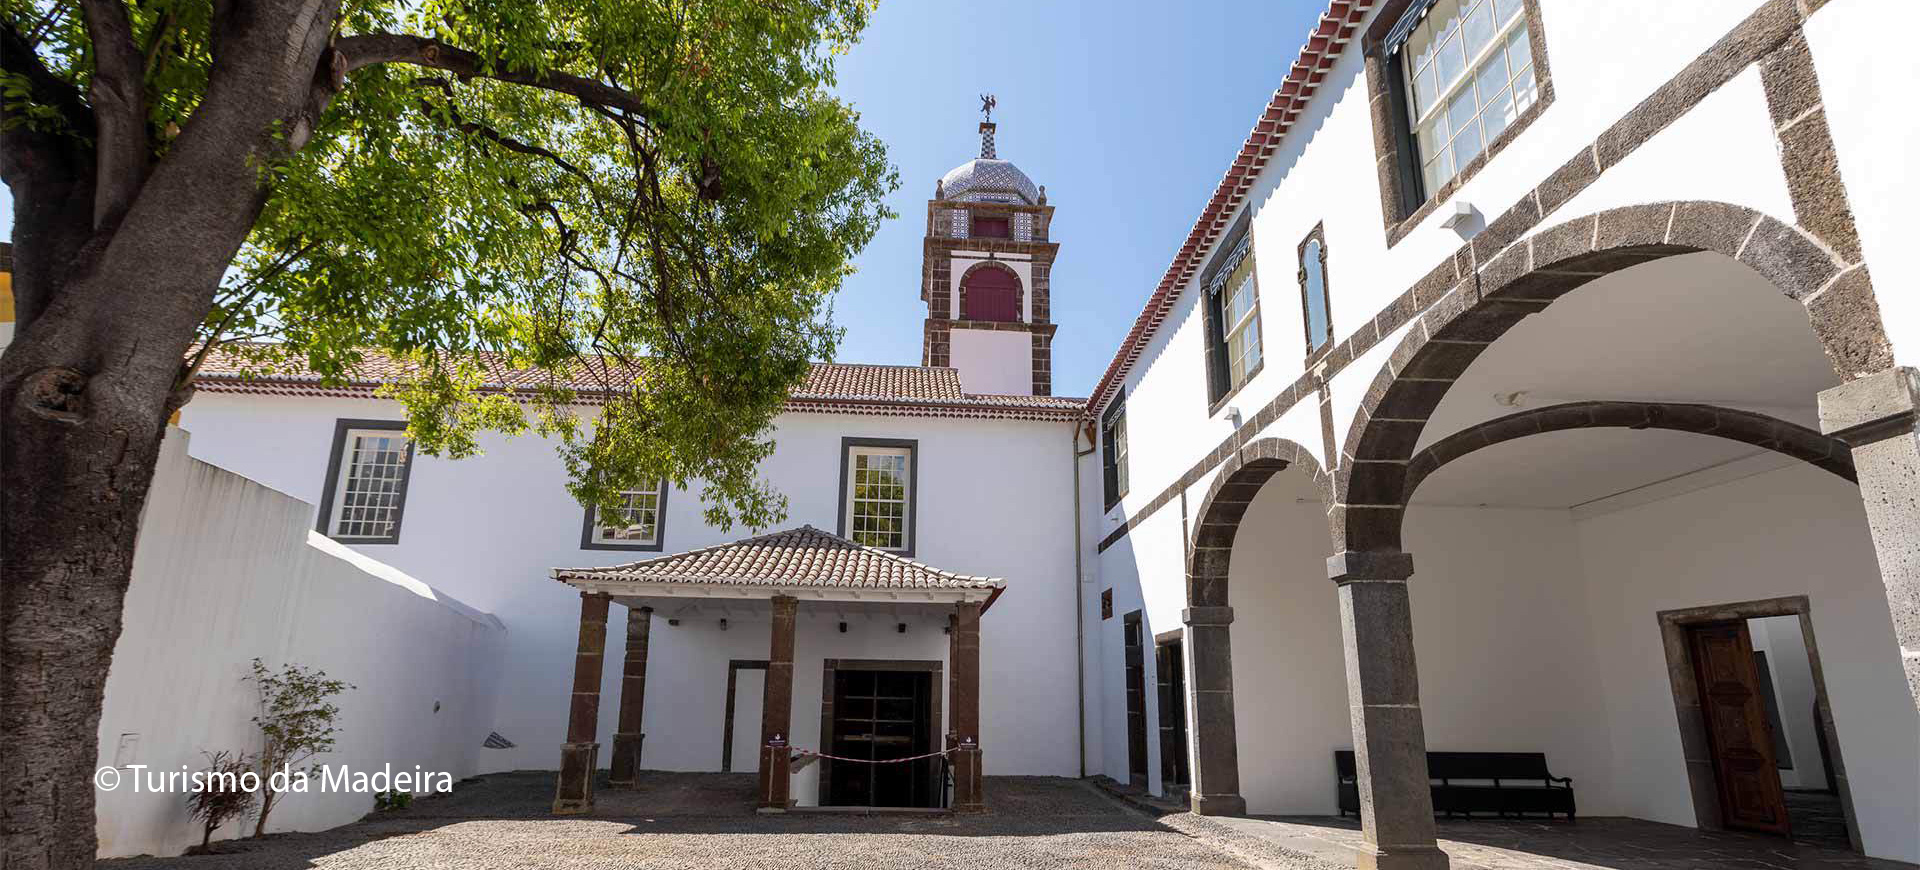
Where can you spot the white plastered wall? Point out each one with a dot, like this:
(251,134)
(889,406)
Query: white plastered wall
(1796,531)
(490,528)
(226,571)
(993,361)
(1863,78)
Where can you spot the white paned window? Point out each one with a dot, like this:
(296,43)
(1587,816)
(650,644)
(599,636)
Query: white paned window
(879,500)
(1241,311)
(1469,74)
(369,488)
(636,522)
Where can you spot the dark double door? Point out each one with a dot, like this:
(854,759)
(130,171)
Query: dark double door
(881,715)
(1738,733)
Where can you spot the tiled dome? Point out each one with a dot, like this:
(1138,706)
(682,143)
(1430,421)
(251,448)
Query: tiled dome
(982,178)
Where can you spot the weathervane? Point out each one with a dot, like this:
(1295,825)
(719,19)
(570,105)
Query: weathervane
(987,102)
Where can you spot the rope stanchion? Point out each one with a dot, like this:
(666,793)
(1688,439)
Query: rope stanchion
(807,752)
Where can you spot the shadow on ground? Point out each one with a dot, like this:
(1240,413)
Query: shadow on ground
(679,820)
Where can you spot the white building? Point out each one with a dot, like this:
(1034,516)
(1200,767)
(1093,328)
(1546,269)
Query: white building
(1544,330)
(967,468)
(1523,388)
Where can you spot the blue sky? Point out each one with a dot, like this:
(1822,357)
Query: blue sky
(1127,110)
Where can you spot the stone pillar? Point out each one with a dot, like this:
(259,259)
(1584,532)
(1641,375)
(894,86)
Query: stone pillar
(1216,751)
(627,738)
(580,755)
(963,694)
(1383,697)
(776,710)
(1876,417)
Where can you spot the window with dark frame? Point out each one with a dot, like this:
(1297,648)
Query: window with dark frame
(878,487)
(639,525)
(990,227)
(366,486)
(1460,73)
(1113,451)
(1315,299)
(1232,312)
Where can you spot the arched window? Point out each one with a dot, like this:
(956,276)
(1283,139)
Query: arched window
(990,293)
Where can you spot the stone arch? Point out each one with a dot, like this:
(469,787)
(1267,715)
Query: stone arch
(1531,274)
(1215,764)
(1226,502)
(995,278)
(1733,424)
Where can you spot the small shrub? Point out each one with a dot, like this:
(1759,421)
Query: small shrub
(392,800)
(222,794)
(297,718)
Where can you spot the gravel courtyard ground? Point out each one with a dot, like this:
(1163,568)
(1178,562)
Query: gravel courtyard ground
(705,821)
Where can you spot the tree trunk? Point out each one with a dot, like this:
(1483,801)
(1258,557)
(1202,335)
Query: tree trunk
(80,428)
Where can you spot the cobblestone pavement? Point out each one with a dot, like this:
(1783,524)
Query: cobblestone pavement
(1588,844)
(705,821)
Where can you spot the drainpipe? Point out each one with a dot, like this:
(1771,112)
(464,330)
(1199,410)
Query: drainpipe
(1079,593)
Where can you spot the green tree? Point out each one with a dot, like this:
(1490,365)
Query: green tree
(657,194)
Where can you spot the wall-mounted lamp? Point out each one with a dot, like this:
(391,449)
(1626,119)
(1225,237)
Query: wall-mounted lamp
(1461,218)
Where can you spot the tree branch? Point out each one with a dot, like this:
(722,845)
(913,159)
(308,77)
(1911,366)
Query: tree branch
(120,108)
(355,52)
(491,135)
(45,88)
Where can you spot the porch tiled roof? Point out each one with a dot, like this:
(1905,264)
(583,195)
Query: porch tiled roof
(829,388)
(805,557)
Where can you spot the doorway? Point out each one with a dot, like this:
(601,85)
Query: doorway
(1749,692)
(1136,675)
(878,712)
(740,736)
(1171,672)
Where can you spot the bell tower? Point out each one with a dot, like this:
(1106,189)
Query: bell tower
(985,272)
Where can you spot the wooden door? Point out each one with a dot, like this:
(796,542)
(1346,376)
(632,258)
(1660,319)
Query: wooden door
(1737,731)
(1170,667)
(877,716)
(1136,700)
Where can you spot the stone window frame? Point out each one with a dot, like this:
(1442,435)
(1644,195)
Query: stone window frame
(332,484)
(1220,386)
(912,446)
(1113,457)
(1692,724)
(1403,203)
(1316,352)
(589,541)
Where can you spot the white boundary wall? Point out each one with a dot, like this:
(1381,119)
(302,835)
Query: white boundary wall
(227,570)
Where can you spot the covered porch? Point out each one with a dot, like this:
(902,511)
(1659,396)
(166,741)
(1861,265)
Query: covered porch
(880,741)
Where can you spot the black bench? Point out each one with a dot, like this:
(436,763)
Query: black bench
(1503,783)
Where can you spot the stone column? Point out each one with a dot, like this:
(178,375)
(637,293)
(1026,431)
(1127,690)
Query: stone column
(963,694)
(776,710)
(1216,751)
(627,738)
(1876,416)
(1383,697)
(580,755)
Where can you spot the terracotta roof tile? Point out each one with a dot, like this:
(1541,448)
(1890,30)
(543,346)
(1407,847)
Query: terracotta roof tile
(805,557)
(829,388)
